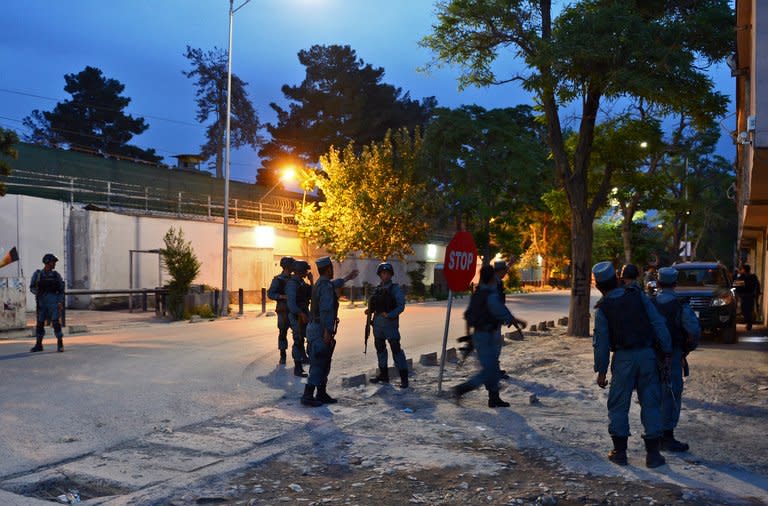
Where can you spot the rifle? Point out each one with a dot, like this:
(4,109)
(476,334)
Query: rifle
(368,321)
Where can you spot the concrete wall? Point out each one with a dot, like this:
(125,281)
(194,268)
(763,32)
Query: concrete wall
(94,249)
(35,226)
(759,73)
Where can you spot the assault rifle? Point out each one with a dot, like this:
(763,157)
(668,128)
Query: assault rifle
(368,322)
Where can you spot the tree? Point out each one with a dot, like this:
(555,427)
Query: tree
(593,51)
(209,69)
(183,267)
(93,120)
(342,99)
(374,202)
(8,141)
(484,167)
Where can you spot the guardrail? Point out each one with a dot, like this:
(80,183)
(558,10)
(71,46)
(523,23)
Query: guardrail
(150,200)
(161,307)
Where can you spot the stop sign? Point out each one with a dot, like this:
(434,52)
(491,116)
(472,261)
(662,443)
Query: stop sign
(460,261)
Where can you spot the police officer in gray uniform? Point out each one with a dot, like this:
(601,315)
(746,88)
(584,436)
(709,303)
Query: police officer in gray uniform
(627,324)
(386,304)
(685,331)
(48,288)
(298,293)
(276,292)
(321,332)
(486,313)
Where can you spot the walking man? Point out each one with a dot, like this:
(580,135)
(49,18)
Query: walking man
(485,314)
(627,324)
(386,304)
(685,331)
(748,289)
(276,292)
(321,332)
(48,288)
(298,293)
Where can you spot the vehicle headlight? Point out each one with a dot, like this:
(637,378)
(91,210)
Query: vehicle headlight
(723,300)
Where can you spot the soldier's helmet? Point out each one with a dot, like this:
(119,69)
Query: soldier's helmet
(385,266)
(629,271)
(300,266)
(286,262)
(667,276)
(49,257)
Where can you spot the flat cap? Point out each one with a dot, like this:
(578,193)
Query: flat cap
(300,265)
(668,275)
(499,265)
(603,271)
(323,262)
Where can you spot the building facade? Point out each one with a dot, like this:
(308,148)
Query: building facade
(750,68)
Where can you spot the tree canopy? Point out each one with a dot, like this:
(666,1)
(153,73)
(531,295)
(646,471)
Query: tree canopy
(591,52)
(92,120)
(209,70)
(374,201)
(8,139)
(342,99)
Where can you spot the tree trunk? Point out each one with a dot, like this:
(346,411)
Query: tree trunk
(626,236)
(581,274)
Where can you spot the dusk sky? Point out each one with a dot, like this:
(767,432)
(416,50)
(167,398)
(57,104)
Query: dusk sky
(141,43)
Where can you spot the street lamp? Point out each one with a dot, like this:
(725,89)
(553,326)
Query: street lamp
(288,175)
(225,245)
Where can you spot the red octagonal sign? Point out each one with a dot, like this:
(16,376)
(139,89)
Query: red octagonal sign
(460,262)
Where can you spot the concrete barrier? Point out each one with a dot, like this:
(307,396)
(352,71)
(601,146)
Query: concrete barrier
(354,381)
(428,359)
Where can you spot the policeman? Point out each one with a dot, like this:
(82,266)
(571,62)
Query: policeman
(485,314)
(48,288)
(276,292)
(685,331)
(298,292)
(321,332)
(627,323)
(500,269)
(386,304)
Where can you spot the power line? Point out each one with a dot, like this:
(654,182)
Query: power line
(169,120)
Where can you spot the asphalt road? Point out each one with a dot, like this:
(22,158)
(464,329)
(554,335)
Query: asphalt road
(109,388)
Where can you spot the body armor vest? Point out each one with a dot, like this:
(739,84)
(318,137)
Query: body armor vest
(478,315)
(48,282)
(383,300)
(672,312)
(629,326)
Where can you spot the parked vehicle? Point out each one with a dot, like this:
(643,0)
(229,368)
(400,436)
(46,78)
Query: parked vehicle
(706,287)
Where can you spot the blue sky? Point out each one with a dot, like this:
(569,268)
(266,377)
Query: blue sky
(141,43)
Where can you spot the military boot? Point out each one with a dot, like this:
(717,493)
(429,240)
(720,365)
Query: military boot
(38,345)
(382,377)
(670,444)
(494,401)
(59,345)
(299,371)
(282,357)
(619,453)
(403,378)
(323,396)
(653,458)
(461,389)
(308,399)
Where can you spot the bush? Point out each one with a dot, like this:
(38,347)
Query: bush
(418,288)
(183,267)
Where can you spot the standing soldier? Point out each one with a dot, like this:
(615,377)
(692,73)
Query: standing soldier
(321,332)
(501,269)
(276,292)
(627,324)
(298,293)
(685,331)
(48,288)
(486,313)
(386,304)
(748,289)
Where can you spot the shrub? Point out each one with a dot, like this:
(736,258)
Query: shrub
(183,267)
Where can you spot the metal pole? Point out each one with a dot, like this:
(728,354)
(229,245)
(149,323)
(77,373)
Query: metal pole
(240,300)
(130,280)
(445,342)
(225,246)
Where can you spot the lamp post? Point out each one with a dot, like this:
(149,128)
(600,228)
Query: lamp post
(225,245)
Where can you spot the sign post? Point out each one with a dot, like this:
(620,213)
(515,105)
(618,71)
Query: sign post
(459,267)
